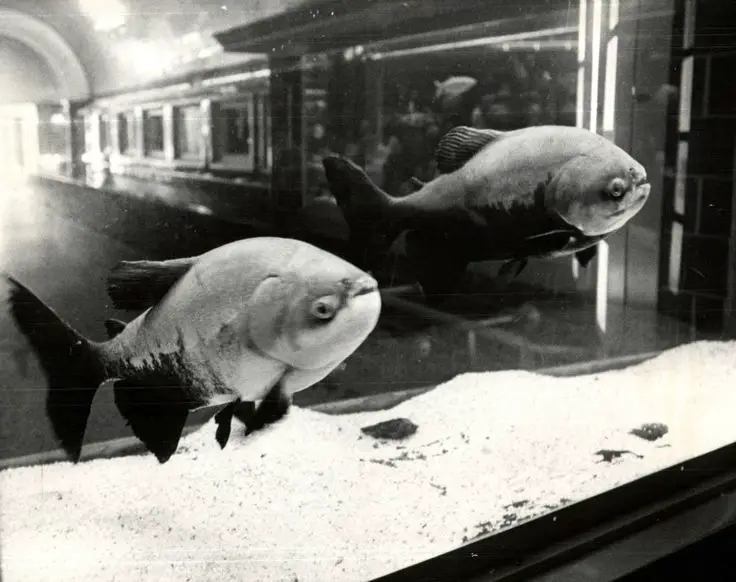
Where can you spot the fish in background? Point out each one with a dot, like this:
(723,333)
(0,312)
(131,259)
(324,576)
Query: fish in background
(254,320)
(448,93)
(543,191)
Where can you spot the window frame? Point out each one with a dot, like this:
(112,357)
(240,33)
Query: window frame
(257,160)
(178,156)
(149,112)
(130,137)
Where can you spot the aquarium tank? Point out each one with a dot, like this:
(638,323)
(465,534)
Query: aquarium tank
(363,290)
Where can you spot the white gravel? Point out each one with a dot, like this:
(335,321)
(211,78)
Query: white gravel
(312,499)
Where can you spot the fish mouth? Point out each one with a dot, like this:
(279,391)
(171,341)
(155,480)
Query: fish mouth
(635,206)
(620,212)
(364,286)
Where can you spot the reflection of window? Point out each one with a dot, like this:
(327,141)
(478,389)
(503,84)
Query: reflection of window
(153,132)
(91,137)
(263,130)
(104,129)
(126,132)
(234,124)
(237,130)
(52,137)
(242,133)
(187,131)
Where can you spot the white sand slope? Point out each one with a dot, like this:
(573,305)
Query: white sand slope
(312,499)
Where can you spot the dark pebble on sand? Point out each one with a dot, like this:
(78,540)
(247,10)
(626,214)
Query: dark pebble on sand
(651,431)
(396,429)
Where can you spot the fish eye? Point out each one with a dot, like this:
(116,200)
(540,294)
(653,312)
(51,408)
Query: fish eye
(617,188)
(325,308)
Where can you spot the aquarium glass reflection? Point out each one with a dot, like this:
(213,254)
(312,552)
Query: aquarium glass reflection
(455,209)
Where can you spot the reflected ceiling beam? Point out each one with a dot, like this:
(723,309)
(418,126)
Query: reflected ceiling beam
(42,38)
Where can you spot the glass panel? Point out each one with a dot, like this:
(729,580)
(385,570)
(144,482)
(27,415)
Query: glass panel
(153,132)
(322,136)
(53,132)
(104,131)
(504,252)
(127,133)
(91,133)
(188,131)
(234,129)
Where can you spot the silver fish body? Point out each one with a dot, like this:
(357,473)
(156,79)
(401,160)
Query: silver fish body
(541,191)
(255,320)
(229,317)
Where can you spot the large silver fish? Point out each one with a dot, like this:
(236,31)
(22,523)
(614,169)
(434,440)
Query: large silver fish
(254,320)
(542,191)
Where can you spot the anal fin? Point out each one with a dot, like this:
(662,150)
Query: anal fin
(224,421)
(155,413)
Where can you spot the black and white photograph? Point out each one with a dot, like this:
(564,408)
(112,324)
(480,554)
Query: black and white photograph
(367,290)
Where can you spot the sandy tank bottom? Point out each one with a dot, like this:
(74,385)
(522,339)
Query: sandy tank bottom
(313,498)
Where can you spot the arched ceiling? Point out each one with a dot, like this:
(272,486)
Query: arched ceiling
(25,75)
(153,39)
(28,38)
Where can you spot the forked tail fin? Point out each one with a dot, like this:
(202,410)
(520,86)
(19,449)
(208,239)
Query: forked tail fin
(366,208)
(71,364)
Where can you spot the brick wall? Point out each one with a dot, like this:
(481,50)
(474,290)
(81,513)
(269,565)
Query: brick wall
(695,285)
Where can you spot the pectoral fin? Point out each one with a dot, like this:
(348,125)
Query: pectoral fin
(271,409)
(138,285)
(224,421)
(585,256)
(243,411)
(460,144)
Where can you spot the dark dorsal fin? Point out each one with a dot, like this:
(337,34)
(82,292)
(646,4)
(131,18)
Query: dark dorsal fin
(138,285)
(460,144)
(114,327)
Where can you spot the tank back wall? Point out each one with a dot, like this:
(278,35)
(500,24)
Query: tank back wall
(374,103)
(697,272)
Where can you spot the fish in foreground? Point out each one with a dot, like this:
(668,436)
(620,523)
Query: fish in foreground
(543,191)
(254,320)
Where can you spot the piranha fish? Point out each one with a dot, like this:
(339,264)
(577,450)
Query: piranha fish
(254,320)
(542,191)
